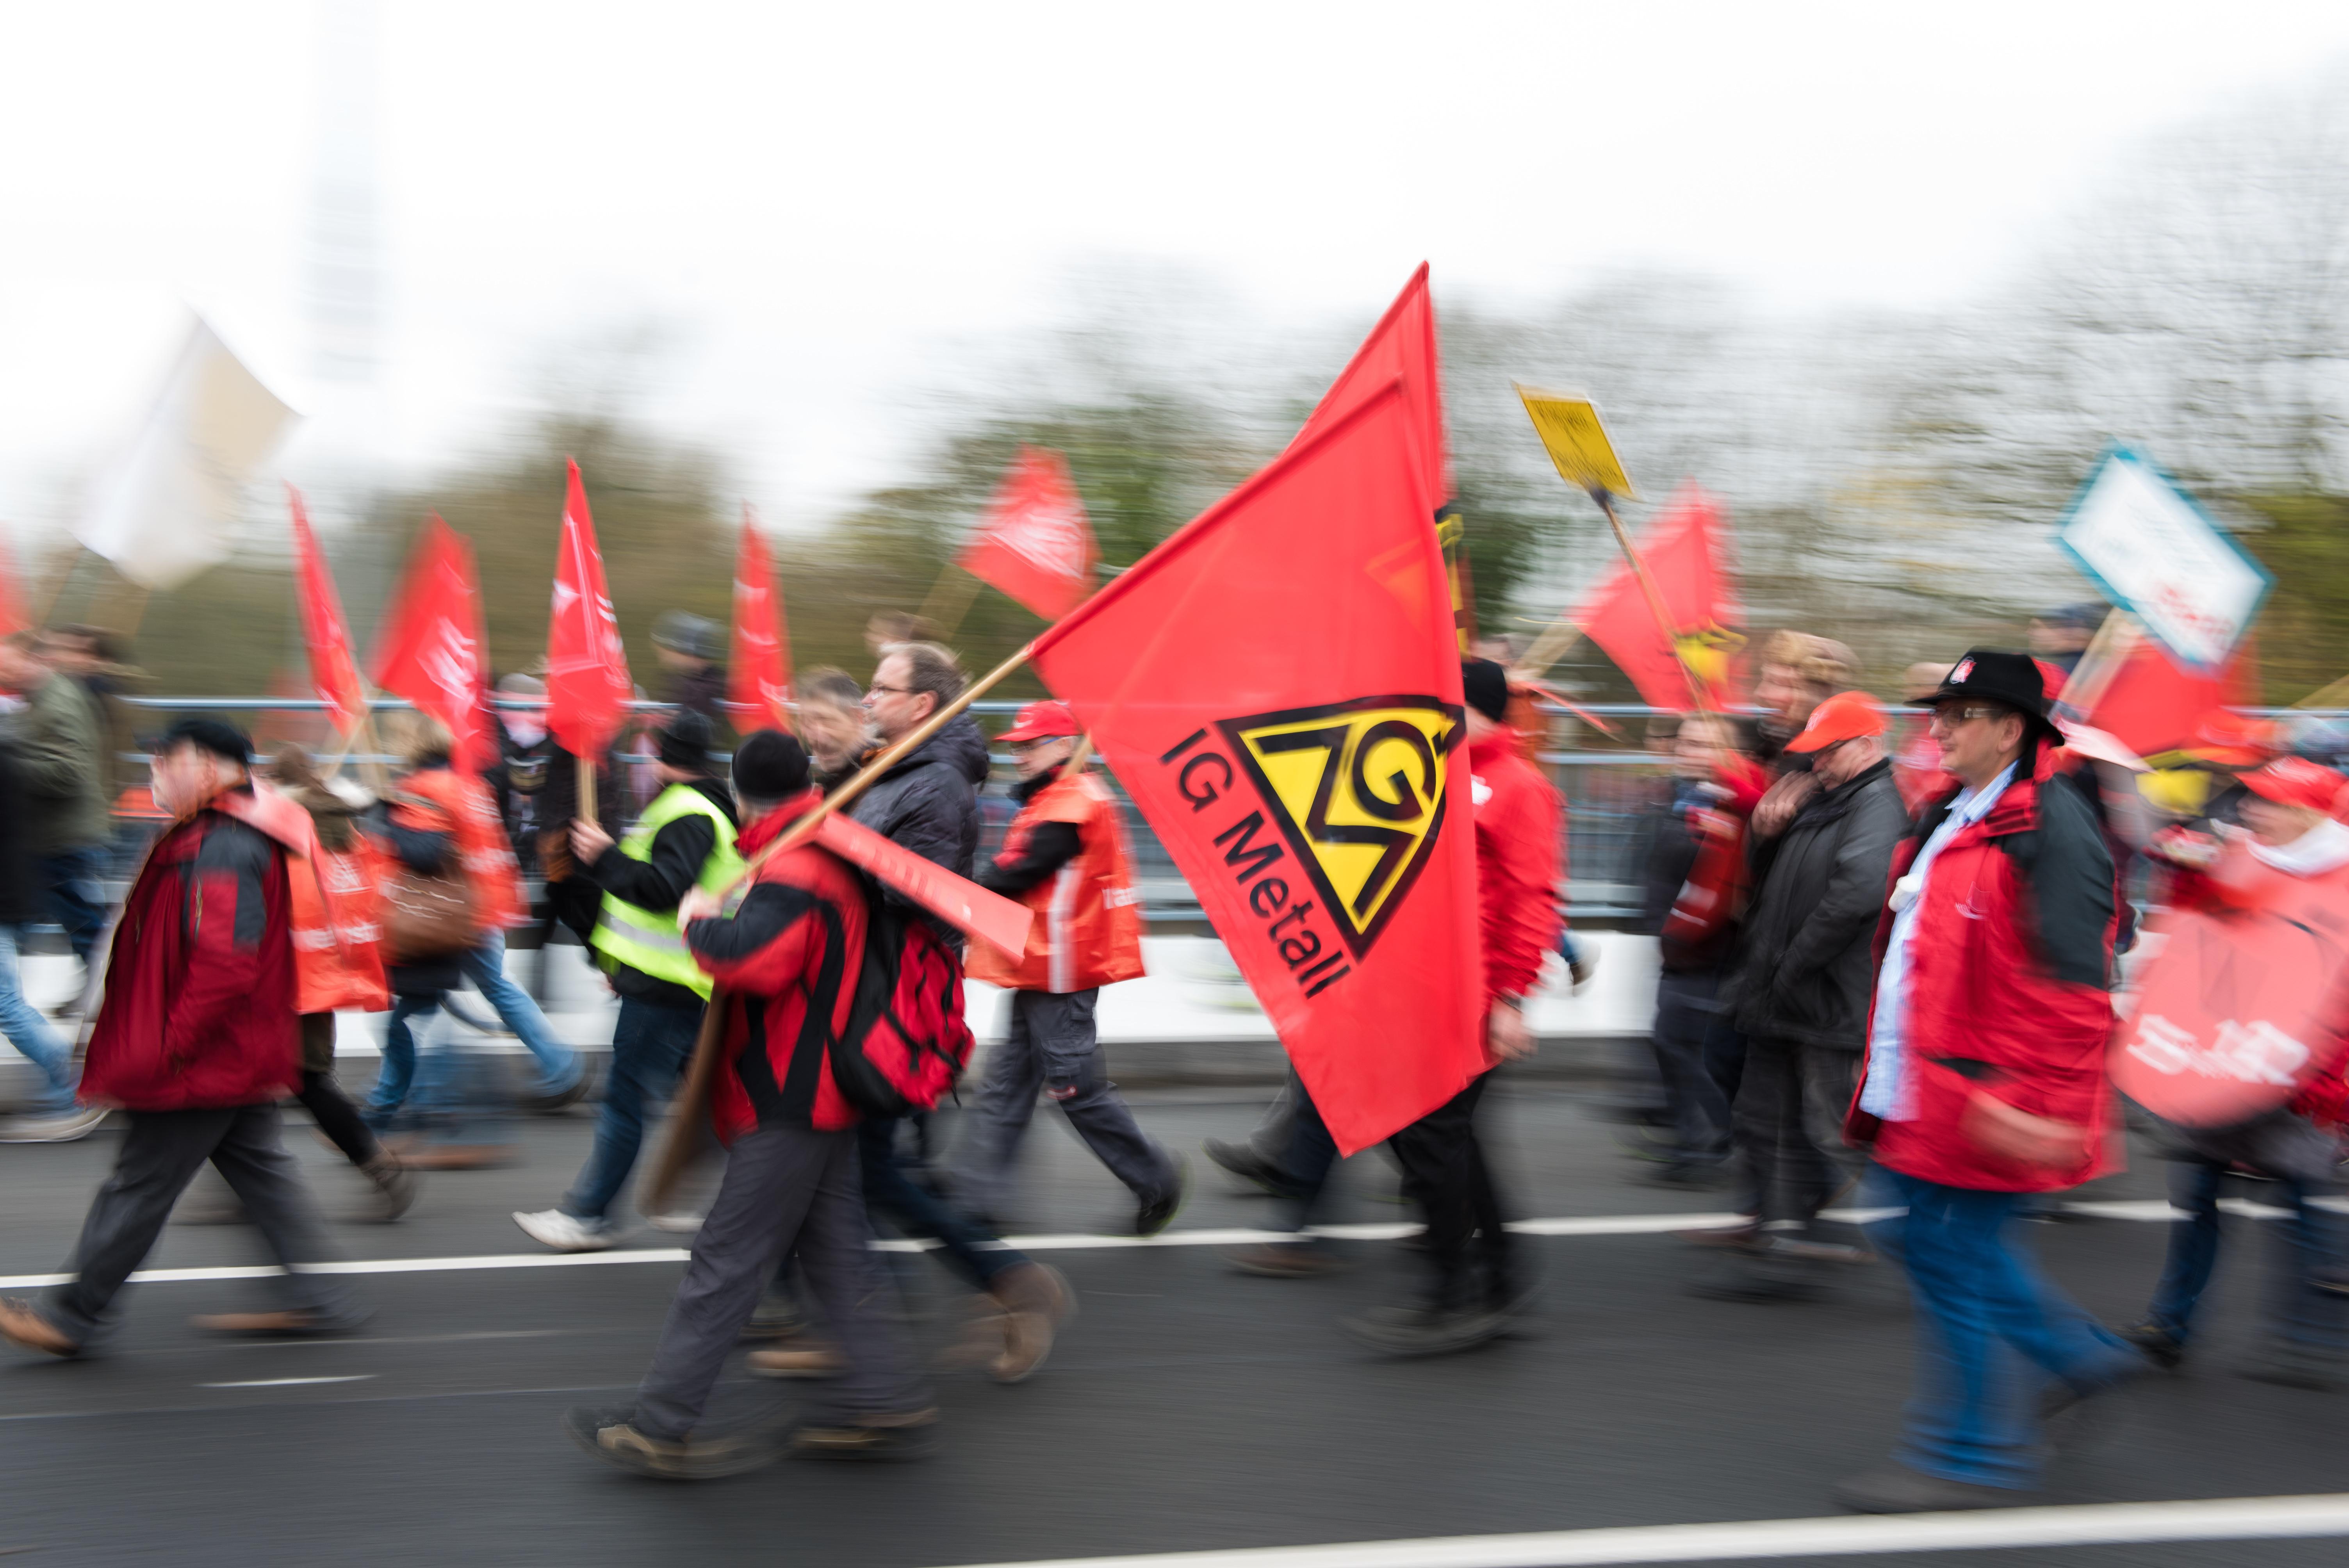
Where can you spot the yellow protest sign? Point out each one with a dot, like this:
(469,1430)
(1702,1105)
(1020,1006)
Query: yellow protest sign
(1569,426)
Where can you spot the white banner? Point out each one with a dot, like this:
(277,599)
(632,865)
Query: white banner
(2156,555)
(164,513)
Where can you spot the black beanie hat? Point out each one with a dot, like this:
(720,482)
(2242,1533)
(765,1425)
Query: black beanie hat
(685,741)
(770,766)
(217,736)
(1486,686)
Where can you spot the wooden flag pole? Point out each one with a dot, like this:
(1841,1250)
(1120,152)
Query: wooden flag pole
(1655,600)
(949,600)
(691,1108)
(1547,648)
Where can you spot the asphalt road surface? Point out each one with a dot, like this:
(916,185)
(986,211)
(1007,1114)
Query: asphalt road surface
(1188,1409)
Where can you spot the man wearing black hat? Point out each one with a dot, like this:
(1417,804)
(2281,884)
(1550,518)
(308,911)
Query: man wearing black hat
(684,840)
(1984,1082)
(197,1039)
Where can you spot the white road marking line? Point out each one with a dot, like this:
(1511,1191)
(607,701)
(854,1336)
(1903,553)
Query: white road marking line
(289,1382)
(1572,1225)
(2093,1524)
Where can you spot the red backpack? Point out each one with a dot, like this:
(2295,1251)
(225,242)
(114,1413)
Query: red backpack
(907,1041)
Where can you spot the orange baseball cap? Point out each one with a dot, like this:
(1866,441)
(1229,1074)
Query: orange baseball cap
(2296,781)
(1042,721)
(1846,715)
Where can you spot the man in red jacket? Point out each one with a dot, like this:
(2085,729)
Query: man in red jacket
(197,1039)
(1985,1081)
(1470,1301)
(788,961)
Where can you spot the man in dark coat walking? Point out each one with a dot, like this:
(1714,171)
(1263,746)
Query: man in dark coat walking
(1802,995)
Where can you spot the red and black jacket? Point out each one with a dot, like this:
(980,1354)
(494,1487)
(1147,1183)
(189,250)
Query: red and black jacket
(787,965)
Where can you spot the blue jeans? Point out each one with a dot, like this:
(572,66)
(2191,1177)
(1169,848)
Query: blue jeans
(559,1066)
(453,1094)
(968,1248)
(78,894)
(1983,1309)
(31,1034)
(650,1045)
(2297,1311)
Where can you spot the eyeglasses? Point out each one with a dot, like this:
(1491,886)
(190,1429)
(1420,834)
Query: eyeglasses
(876,689)
(1949,716)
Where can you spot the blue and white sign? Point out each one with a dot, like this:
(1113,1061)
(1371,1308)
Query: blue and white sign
(2157,556)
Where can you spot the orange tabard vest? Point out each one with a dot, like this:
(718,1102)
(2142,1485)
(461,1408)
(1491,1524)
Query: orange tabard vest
(338,927)
(481,845)
(1088,927)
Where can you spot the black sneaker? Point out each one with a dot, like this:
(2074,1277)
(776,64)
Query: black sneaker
(1250,1167)
(1155,1215)
(609,1432)
(1897,1489)
(2155,1343)
(1425,1330)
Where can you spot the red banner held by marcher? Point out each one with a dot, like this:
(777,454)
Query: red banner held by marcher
(1277,688)
(333,673)
(431,650)
(2152,704)
(1687,553)
(587,686)
(1402,346)
(1034,545)
(2243,1004)
(961,903)
(760,679)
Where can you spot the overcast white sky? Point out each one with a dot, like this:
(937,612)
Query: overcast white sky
(829,201)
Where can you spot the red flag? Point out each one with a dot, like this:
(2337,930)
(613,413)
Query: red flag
(334,673)
(965,905)
(13,618)
(587,686)
(431,651)
(2149,702)
(1402,346)
(1035,545)
(760,680)
(1687,554)
(1278,690)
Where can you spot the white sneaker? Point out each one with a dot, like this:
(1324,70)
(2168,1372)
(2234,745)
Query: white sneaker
(682,1224)
(565,1233)
(63,1128)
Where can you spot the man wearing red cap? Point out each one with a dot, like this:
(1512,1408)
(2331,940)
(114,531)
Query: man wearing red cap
(1800,992)
(1064,857)
(2288,828)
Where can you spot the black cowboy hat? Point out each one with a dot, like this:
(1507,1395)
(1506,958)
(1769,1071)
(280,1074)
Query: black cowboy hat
(1989,674)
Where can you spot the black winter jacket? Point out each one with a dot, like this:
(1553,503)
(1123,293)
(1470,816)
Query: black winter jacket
(929,801)
(1807,961)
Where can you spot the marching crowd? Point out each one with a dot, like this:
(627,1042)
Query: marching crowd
(1888,949)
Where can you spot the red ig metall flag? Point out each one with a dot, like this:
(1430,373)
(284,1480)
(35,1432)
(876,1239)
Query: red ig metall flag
(333,673)
(431,650)
(1034,545)
(1278,690)
(760,680)
(2243,1004)
(587,686)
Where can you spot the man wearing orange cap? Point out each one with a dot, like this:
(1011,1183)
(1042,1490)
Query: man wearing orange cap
(1064,857)
(1801,995)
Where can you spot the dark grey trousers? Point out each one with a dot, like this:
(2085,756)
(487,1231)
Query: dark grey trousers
(1789,1126)
(1052,1037)
(161,1152)
(784,1187)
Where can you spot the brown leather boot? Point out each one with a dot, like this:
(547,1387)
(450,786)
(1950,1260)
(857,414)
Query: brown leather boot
(1037,1303)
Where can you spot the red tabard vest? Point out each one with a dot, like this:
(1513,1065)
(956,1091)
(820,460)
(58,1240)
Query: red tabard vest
(1088,926)
(482,844)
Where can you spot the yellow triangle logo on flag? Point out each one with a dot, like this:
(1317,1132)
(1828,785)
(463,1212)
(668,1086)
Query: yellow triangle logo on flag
(1358,791)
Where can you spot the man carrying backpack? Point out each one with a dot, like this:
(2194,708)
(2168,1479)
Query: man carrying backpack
(684,840)
(1985,1081)
(1064,857)
(790,959)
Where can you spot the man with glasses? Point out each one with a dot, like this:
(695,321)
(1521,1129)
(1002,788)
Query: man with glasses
(1801,991)
(1985,1081)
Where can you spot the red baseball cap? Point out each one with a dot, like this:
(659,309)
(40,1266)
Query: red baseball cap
(2296,781)
(1043,721)
(1846,715)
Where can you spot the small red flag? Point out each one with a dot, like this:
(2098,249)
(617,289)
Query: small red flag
(760,684)
(2152,705)
(333,673)
(432,651)
(1277,688)
(1034,545)
(1687,554)
(1403,344)
(587,686)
